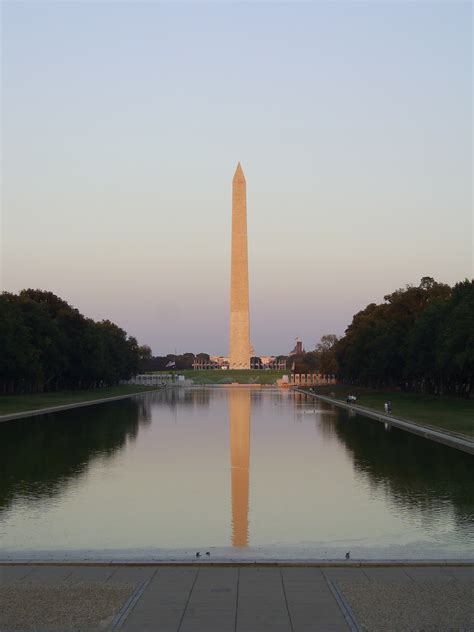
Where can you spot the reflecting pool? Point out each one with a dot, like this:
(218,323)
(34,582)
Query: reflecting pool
(239,472)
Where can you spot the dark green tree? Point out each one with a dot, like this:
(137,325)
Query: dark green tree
(48,345)
(420,338)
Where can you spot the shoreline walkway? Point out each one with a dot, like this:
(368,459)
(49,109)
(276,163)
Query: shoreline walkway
(61,407)
(451,439)
(195,598)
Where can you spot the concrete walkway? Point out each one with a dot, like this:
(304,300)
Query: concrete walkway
(236,598)
(59,408)
(453,440)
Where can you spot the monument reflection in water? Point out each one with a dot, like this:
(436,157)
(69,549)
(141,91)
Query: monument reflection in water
(239,415)
(149,478)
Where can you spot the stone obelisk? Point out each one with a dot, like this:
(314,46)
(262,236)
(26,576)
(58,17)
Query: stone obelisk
(239,356)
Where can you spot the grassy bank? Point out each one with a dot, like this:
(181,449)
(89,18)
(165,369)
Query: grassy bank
(10,404)
(449,413)
(218,376)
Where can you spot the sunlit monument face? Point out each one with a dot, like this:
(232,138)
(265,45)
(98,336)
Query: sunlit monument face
(239,355)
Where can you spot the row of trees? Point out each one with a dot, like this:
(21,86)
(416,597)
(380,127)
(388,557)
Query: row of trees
(48,345)
(321,360)
(172,361)
(185,361)
(421,338)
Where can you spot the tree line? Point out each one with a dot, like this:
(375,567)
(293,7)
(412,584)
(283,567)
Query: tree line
(420,338)
(322,360)
(171,362)
(48,345)
(185,361)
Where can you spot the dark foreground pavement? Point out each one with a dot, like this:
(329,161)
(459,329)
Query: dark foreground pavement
(236,599)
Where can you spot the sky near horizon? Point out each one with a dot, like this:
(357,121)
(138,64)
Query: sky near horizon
(122,125)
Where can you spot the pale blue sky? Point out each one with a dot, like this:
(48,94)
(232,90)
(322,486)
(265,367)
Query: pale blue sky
(123,124)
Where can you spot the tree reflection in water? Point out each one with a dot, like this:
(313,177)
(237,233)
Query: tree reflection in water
(40,455)
(414,472)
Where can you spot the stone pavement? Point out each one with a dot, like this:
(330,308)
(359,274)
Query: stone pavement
(251,598)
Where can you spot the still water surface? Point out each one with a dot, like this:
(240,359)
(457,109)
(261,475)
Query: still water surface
(242,473)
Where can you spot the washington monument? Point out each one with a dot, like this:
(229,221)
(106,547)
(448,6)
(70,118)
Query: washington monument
(240,350)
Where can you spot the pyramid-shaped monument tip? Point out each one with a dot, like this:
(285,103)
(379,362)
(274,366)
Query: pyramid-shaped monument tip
(238,172)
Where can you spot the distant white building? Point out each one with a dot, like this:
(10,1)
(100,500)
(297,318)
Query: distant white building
(214,362)
(158,379)
(222,362)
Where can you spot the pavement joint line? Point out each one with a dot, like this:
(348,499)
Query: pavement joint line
(407,575)
(22,579)
(187,602)
(286,601)
(113,573)
(237,600)
(310,563)
(346,610)
(68,575)
(129,605)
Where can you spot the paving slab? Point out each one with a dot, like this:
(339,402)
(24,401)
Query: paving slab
(461,574)
(315,605)
(90,574)
(242,599)
(49,574)
(134,574)
(209,620)
(309,619)
(302,585)
(357,574)
(318,596)
(14,573)
(162,605)
(255,580)
(261,601)
(212,603)
(173,584)
(153,620)
(263,620)
(304,574)
(174,575)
